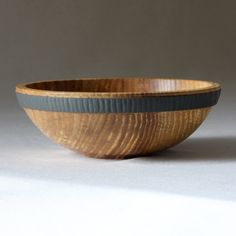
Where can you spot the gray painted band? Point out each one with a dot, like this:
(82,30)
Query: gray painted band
(119,105)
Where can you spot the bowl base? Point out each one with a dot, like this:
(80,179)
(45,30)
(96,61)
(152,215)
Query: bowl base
(118,135)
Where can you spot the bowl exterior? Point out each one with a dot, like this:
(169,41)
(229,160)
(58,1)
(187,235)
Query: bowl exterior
(118,135)
(116,127)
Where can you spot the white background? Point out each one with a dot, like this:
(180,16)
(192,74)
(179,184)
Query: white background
(187,190)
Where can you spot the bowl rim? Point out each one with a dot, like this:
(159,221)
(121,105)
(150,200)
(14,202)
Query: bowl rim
(23,89)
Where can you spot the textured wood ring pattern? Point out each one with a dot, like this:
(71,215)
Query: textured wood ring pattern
(118,117)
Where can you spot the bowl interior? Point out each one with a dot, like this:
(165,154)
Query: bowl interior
(123,85)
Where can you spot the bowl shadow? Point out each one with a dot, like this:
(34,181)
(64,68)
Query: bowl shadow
(199,167)
(198,149)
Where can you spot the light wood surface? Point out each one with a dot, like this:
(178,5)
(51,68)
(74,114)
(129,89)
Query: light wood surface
(118,135)
(116,87)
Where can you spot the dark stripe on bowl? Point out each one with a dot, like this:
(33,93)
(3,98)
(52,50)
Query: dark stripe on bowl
(119,105)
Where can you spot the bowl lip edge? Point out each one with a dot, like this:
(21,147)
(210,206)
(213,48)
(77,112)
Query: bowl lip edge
(23,89)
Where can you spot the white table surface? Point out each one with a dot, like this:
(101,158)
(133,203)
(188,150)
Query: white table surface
(187,190)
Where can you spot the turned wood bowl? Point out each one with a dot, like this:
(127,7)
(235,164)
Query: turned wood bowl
(118,117)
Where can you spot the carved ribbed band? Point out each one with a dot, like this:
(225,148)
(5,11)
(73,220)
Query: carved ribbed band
(119,105)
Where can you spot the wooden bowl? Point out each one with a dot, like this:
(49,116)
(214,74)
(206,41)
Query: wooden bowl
(118,117)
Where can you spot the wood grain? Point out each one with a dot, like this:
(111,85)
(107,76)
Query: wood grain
(118,135)
(118,117)
(116,87)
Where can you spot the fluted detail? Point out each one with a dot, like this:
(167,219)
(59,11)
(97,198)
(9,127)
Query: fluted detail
(119,105)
